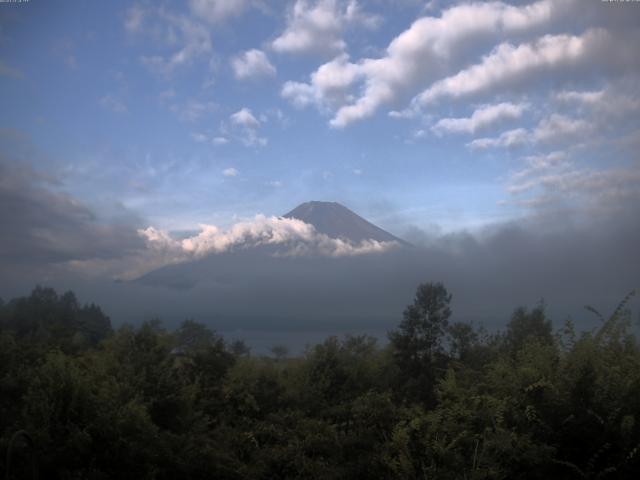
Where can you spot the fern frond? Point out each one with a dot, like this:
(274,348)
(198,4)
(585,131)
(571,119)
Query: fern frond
(595,312)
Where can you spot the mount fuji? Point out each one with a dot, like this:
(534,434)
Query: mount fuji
(348,234)
(337,221)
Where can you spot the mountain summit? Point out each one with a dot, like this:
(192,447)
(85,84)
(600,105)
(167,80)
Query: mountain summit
(337,221)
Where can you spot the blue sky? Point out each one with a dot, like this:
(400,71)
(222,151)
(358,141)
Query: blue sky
(411,113)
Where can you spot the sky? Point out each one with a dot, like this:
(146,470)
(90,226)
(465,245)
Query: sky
(432,119)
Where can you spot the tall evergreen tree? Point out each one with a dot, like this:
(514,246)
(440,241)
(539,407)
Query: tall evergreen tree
(417,344)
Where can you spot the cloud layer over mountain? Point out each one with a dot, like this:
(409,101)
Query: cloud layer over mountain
(297,238)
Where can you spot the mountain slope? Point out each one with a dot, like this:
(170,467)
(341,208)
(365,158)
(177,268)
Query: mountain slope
(236,266)
(337,221)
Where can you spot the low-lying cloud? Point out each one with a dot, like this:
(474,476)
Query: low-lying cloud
(295,236)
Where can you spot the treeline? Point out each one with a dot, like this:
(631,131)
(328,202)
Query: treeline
(441,400)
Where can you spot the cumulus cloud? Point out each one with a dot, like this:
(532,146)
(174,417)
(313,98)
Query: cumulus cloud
(616,99)
(430,47)
(244,118)
(301,94)
(317,27)
(554,129)
(481,118)
(508,64)
(252,63)
(538,163)
(246,126)
(328,87)
(230,172)
(295,236)
(559,127)
(587,97)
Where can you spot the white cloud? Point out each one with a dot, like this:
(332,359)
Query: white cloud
(251,138)
(508,64)
(230,172)
(328,86)
(418,134)
(509,139)
(555,128)
(427,50)
(252,63)
(588,97)
(215,11)
(558,127)
(335,75)
(220,140)
(247,126)
(403,114)
(297,238)
(539,163)
(300,94)
(317,27)
(616,99)
(245,118)
(481,118)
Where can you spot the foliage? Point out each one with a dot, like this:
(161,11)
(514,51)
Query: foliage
(441,400)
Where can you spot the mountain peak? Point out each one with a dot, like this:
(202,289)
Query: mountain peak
(337,221)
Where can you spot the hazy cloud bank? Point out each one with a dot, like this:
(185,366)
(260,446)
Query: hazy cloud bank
(297,237)
(41,225)
(231,278)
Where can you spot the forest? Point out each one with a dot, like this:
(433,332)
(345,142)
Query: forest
(440,400)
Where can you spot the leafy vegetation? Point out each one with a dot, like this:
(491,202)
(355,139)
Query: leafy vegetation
(440,400)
